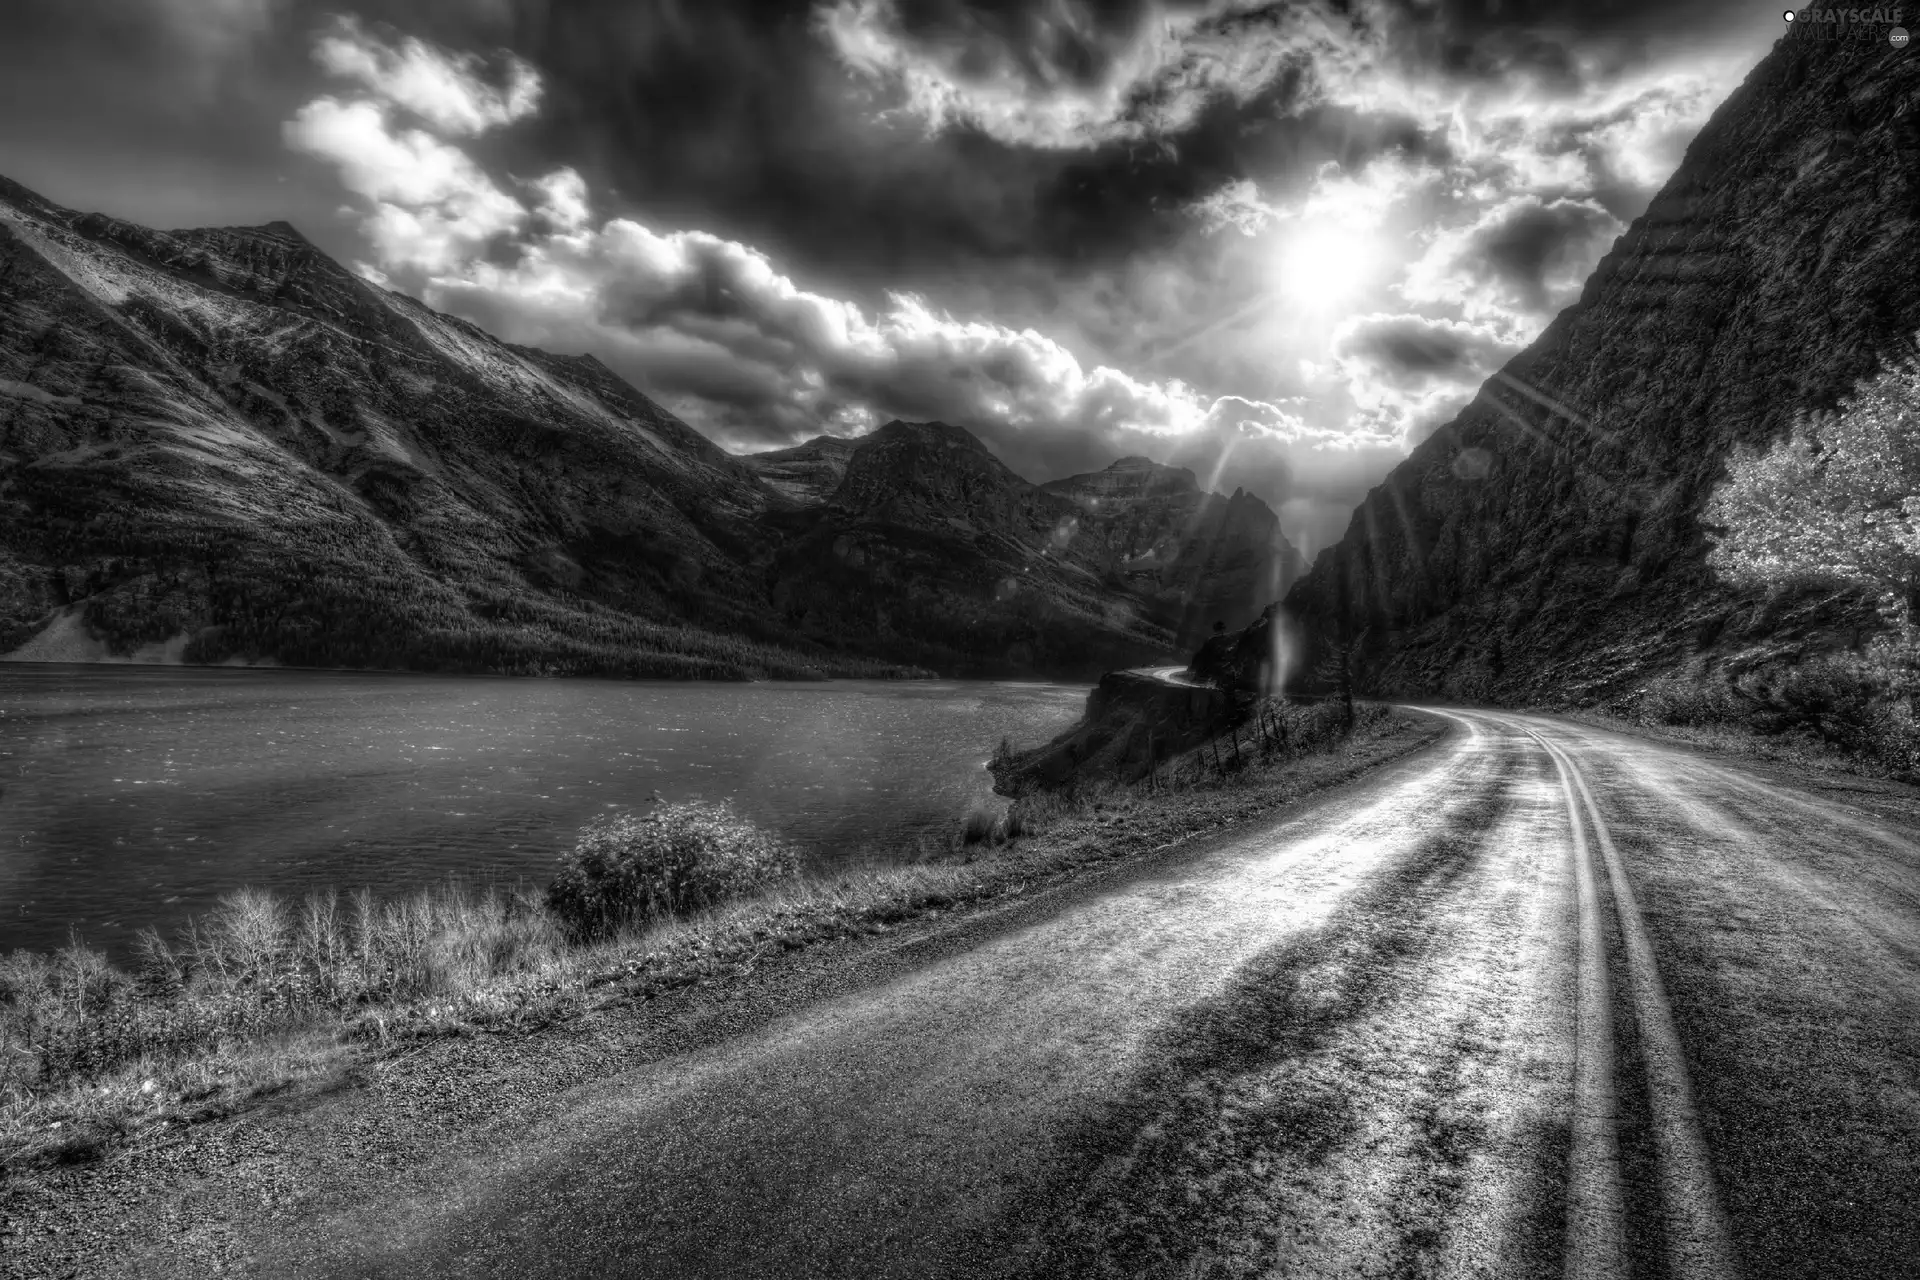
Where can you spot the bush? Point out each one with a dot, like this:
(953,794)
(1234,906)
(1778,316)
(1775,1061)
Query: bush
(1847,702)
(629,868)
(1676,699)
(981,824)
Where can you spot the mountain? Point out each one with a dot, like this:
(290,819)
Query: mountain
(933,544)
(222,438)
(218,445)
(1092,571)
(1202,558)
(1547,543)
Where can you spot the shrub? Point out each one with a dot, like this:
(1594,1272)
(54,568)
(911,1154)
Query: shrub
(979,824)
(1677,699)
(628,868)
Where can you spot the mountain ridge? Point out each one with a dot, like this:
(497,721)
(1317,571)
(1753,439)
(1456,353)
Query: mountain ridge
(1194,557)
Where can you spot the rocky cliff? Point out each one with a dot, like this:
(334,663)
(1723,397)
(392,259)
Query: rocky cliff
(1546,544)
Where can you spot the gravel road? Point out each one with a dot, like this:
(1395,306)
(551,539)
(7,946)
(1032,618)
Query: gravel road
(1539,1000)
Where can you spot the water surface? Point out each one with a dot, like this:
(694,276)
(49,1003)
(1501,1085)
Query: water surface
(132,796)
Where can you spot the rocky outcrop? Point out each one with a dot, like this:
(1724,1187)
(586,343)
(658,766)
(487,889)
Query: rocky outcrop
(1546,544)
(1201,558)
(1133,721)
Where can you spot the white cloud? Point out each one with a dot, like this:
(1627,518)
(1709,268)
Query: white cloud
(446,90)
(1150,79)
(563,199)
(432,205)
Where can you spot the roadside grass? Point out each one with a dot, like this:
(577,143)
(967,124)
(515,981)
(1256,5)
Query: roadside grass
(264,997)
(1803,750)
(1839,711)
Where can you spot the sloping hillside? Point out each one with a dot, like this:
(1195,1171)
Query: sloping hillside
(225,437)
(219,445)
(1546,544)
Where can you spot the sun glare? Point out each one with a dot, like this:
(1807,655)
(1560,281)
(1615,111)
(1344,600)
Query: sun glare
(1319,266)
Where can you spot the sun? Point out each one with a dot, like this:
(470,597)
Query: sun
(1324,265)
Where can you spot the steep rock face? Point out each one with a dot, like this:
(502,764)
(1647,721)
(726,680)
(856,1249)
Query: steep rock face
(1546,543)
(934,544)
(1200,557)
(223,435)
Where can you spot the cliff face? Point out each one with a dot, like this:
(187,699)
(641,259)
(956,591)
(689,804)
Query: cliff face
(1199,557)
(1546,544)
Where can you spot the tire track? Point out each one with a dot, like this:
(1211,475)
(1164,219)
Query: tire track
(1596,1241)
(1697,1241)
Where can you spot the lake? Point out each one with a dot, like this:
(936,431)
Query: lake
(134,796)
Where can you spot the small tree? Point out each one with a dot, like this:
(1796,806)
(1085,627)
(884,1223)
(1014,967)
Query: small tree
(1336,667)
(1837,502)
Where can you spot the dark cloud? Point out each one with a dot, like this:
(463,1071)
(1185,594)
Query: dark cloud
(739,118)
(1530,240)
(1410,349)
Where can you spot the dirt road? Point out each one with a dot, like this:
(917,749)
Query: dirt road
(1542,1000)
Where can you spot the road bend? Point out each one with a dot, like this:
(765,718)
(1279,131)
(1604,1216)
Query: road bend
(1539,1001)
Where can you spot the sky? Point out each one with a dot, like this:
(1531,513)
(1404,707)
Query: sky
(1276,243)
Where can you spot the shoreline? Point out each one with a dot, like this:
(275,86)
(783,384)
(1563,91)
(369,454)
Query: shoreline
(144,1099)
(310,780)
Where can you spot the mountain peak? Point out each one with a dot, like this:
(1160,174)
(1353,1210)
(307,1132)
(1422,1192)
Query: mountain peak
(1128,478)
(21,197)
(930,433)
(285,230)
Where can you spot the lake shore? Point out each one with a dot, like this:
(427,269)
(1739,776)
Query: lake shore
(136,797)
(152,1100)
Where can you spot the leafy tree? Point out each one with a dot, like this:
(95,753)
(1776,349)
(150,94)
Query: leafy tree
(1838,502)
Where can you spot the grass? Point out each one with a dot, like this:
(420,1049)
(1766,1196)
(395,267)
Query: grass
(1803,750)
(263,996)
(1843,711)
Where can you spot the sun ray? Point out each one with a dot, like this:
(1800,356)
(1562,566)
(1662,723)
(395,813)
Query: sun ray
(1548,402)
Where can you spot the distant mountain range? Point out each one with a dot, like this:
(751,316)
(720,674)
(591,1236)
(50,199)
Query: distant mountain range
(222,446)
(1547,544)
